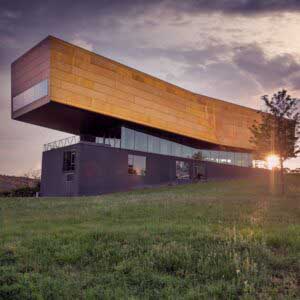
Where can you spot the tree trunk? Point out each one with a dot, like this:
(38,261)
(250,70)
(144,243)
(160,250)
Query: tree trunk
(282,185)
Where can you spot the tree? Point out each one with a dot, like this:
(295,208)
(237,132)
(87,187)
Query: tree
(33,174)
(197,155)
(278,132)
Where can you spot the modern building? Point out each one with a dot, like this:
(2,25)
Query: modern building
(130,129)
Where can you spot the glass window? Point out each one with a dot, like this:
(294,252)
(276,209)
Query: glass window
(112,142)
(70,177)
(140,141)
(245,160)
(182,170)
(109,141)
(238,159)
(242,159)
(34,93)
(153,144)
(69,158)
(205,154)
(130,164)
(136,165)
(214,156)
(176,149)
(134,140)
(127,140)
(223,157)
(190,152)
(186,151)
(99,140)
(165,147)
(117,143)
(230,158)
(197,154)
(250,160)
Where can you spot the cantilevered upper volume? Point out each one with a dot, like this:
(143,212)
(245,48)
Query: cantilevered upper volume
(64,87)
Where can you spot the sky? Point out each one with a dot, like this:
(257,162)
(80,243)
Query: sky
(235,50)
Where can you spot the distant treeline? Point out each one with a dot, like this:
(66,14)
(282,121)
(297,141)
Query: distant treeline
(26,191)
(14,186)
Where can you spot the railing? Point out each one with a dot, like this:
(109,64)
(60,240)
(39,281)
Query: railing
(62,143)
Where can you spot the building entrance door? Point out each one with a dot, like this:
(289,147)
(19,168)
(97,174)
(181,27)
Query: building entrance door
(69,184)
(199,171)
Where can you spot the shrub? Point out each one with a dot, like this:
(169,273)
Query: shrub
(25,191)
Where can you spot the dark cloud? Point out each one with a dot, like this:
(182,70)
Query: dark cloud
(235,6)
(12,9)
(242,72)
(222,80)
(269,72)
(33,20)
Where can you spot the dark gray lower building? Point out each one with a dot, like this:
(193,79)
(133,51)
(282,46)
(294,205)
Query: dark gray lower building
(131,159)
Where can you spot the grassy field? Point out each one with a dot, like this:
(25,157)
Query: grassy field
(213,240)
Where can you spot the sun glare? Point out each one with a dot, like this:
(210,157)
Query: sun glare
(272,161)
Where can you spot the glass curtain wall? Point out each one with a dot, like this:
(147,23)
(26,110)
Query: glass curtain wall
(134,140)
(139,141)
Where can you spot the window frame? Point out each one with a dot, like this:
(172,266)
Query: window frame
(69,163)
(131,167)
(188,165)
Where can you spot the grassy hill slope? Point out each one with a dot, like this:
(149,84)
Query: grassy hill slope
(222,240)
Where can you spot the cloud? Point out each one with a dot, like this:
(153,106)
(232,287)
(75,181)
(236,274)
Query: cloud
(269,72)
(82,11)
(236,73)
(10,14)
(244,7)
(82,43)
(295,82)
(222,80)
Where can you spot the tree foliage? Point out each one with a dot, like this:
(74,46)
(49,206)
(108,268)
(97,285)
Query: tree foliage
(278,131)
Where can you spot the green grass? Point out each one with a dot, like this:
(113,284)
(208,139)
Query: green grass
(216,240)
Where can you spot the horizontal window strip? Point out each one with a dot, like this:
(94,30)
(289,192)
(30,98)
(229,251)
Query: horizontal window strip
(32,94)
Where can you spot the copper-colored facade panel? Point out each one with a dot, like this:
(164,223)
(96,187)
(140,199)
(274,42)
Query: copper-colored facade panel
(85,80)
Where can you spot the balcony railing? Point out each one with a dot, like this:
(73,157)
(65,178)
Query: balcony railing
(62,143)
